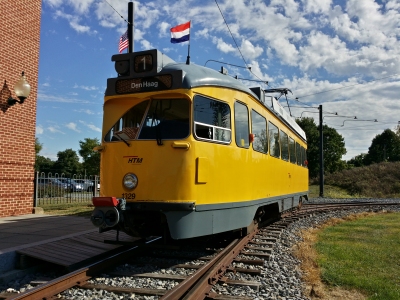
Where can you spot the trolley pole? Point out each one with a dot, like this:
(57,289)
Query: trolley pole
(130,27)
(321,154)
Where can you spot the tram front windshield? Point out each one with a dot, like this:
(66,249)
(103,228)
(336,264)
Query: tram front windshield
(156,119)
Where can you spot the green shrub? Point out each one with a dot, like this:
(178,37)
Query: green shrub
(377,180)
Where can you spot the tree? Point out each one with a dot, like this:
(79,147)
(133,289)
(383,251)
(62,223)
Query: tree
(357,161)
(38,146)
(384,147)
(44,164)
(397,130)
(334,147)
(312,134)
(91,159)
(68,162)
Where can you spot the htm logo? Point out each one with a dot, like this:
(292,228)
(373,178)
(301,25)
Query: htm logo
(134,159)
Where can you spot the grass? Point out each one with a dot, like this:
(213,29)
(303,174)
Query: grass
(80,209)
(360,253)
(330,191)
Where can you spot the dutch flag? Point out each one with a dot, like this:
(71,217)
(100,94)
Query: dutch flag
(180,33)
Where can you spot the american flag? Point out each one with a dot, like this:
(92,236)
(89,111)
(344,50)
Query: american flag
(123,42)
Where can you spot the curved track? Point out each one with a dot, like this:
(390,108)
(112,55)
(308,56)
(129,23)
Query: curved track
(198,284)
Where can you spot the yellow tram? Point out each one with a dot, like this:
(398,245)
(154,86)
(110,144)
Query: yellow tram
(189,151)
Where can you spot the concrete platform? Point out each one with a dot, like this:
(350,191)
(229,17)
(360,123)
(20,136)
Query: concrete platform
(19,232)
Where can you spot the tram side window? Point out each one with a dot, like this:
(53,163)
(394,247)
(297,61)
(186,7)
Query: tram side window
(241,125)
(259,129)
(304,157)
(298,153)
(292,150)
(273,135)
(126,128)
(212,120)
(284,146)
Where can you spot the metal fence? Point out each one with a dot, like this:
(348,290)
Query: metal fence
(63,188)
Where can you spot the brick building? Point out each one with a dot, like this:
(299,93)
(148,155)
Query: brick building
(19,51)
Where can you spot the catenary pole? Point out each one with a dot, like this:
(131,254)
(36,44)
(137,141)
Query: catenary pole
(321,154)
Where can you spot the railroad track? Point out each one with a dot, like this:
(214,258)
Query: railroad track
(197,272)
(345,205)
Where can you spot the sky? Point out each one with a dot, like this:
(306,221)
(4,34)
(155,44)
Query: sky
(341,54)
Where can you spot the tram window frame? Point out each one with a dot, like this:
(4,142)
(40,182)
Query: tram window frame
(304,150)
(298,153)
(116,133)
(273,140)
(218,130)
(258,135)
(284,139)
(292,150)
(241,125)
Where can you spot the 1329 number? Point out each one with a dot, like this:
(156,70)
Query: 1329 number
(130,196)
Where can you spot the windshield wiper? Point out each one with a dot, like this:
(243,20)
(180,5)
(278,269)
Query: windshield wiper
(122,139)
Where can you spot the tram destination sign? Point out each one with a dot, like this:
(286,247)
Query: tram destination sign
(144,84)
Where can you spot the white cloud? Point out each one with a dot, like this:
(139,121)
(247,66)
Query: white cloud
(317,6)
(249,50)
(85,87)
(54,3)
(72,126)
(55,129)
(86,111)
(79,28)
(73,21)
(90,126)
(146,45)
(81,6)
(164,28)
(51,98)
(222,45)
(39,129)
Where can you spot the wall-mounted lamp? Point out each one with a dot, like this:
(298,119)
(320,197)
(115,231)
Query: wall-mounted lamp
(22,90)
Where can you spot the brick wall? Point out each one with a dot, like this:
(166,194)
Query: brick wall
(19,51)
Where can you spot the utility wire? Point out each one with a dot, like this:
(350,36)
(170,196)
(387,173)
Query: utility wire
(117,12)
(231,34)
(249,68)
(343,87)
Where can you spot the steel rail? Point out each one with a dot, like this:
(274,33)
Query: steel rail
(355,203)
(78,277)
(178,291)
(202,288)
(345,205)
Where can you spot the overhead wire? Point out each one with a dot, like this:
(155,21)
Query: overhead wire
(347,86)
(249,68)
(117,12)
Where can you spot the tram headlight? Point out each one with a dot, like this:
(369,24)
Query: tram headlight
(130,181)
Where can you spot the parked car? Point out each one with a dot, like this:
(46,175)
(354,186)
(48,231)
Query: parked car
(51,182)
(86,184)
(50,187)
(72,185)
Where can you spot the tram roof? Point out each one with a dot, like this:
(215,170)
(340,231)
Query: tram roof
(196,76)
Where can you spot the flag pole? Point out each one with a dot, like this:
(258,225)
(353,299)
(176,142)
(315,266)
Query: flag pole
(130,27)
(188,56)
